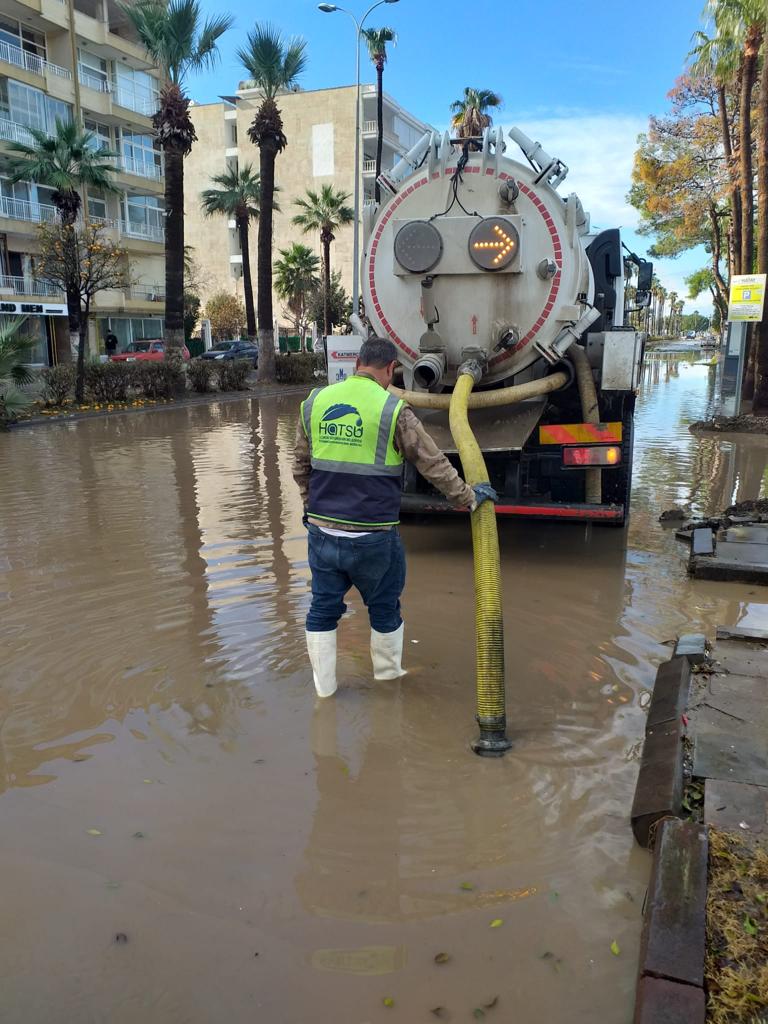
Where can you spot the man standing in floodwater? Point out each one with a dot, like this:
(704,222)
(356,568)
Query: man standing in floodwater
(351,442)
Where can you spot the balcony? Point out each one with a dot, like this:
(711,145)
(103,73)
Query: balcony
(149,232)
(28,286)
(92,81)
(20,209)
(133,99)
(147,292)
(30,61)
(369,166)
(143,168)
(11,131)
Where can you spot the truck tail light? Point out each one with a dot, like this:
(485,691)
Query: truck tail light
(594,455)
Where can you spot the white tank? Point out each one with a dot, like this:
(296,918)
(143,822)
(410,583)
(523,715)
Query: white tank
(492,260)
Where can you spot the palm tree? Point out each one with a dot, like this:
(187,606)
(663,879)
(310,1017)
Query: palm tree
(178,41)
(66,162)
(13,373)
(377,39)
(239,197)
(274,64)
(324,211)
(672,312)
(470,113)
(296,275)
(661,294)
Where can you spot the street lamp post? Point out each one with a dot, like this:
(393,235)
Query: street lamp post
(331,9)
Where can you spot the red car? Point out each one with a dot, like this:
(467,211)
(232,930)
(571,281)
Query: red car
(151,351)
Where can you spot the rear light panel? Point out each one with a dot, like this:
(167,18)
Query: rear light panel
(578,457)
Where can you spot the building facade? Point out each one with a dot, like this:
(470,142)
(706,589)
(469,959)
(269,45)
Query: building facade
(80,59)
(320,128)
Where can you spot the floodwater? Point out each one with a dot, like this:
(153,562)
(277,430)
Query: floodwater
(187,837)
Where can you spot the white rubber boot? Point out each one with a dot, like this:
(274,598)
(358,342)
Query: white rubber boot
(387,654)
(322,655)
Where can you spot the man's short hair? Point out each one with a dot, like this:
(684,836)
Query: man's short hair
(378,352)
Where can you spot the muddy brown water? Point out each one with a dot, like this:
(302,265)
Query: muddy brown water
(167,777)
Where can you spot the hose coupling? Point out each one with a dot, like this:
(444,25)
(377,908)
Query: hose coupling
(429,369)
(474,362)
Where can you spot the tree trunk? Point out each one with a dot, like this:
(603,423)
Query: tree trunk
(174,253)
(746,183)
(326,284)
(81,340)
(266,327)
(250,315)
(380,122)
(761,330)
(725,129)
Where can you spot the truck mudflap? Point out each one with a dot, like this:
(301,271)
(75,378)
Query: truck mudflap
(424,504)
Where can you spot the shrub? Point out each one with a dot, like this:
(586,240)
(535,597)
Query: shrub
(59,383)
(233,374)
(200,373)
(156,380)
(108,382)
(298,368)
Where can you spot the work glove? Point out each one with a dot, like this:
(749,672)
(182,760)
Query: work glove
(483,492)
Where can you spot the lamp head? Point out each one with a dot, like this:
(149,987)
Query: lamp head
(327,8)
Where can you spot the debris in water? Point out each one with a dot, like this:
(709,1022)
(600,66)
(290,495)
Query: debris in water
(497,923)
(550,958)
(493,1002)
(437,1011)
(478,1014)
(442,958)
(121,938)
(94,832)
(388,1001)
(615,948)
(138,835)
(467,886)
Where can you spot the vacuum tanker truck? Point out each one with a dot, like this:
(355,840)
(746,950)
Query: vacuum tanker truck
(472,255)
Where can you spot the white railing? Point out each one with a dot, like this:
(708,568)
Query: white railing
(148,231)
(144,168)
(11,131)
(370,127)
(28,286)
(92,81)
(140,102)
(369,166)
(148,292)
(30,61)
(20,209)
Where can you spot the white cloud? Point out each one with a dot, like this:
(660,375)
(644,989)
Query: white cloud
(599,150)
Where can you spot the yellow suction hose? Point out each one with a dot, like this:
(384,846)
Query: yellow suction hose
(486,399)
(489,621)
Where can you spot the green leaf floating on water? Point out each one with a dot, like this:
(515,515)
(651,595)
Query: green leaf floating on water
(478,1014)
(615,948)
(497,923)
(94,832)
(388,1001)
(467,886)
(442,958)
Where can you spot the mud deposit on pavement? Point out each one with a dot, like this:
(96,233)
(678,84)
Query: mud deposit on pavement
(186,838)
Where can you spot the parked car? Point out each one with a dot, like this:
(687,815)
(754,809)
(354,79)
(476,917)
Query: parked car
(233,350)
(152,351)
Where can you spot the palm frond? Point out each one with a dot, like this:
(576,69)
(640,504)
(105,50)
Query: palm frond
(273,61)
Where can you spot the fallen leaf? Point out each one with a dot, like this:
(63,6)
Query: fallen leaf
(438,1011)
(615,948)
(497,923)
(94,832)
(121,938)
(554,896)
(388,1001)
(138,835)
(493,1002)
(442,958)
(467,886)
(750,927)
(148,781)
(478,1014)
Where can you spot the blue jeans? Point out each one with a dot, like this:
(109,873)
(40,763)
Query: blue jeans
(374,564)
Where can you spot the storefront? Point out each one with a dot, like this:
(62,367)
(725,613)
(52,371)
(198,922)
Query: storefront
(46,325)
(127,329)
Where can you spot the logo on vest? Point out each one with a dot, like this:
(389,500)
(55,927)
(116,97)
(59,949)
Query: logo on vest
(336,425)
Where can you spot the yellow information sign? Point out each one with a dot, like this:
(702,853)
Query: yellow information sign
(747,298)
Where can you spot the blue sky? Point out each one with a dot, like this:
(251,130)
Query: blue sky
(580,76)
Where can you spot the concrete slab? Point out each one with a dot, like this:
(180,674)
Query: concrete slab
(731,805)
(670,692)
(673,941)
(741,633)
(692,646)
(744,554)
(738,687)
(659,791)
(702,542)
(707,567)
(735,756)
(667,1002)
(747,534)
(739,658)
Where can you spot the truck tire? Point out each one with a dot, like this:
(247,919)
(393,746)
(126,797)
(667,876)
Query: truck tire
(617,485)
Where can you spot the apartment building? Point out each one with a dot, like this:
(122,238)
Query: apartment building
(80,59)
(320,128)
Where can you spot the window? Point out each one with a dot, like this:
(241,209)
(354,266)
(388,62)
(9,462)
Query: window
(130,329)
(97,204)
(31,107)
(136,89)
(140,153)
(93,71)
(102,134)
(14,34)
(144,215)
